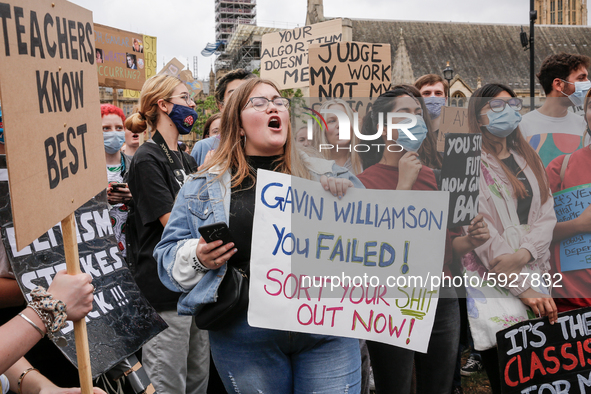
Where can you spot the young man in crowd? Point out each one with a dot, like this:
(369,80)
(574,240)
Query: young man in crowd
(434,90)
(553,130)
(203,149)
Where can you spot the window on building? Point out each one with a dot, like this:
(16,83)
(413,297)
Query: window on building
(458,99)
(559,12)
(573,14)
(553,12)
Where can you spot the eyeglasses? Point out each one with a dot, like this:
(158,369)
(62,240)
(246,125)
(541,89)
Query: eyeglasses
(262,103)
(184,96)
(498,105)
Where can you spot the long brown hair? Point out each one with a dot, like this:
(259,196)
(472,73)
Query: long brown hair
(515,141)
(230,153)
(428,150)
(386,103)
(320,136)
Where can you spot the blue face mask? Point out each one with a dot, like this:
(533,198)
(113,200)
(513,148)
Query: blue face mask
(578,96)
(503,123)
(419,131)
(183,118)
(434,105)
(113,141)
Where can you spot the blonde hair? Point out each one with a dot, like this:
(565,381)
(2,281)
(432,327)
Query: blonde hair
(320,136)
(146,116)
(230,153)
(299,167)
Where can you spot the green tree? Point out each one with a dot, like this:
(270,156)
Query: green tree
(205,108)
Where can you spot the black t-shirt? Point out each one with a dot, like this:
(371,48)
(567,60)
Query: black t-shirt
(154,189)
(523,204)
(242,205)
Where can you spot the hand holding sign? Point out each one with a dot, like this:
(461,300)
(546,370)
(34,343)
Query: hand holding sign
(409,167)
(337,186)
(76,291)
(540,304)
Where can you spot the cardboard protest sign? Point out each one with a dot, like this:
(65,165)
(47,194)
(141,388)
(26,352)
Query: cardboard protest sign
(537,357)
(172,68)
(349,69)
(356,267)
(150,64)
(50,108)
(175,69)
(460,175)
(285,53)
(119,58)
(575,252)
(122,319)
(453,120)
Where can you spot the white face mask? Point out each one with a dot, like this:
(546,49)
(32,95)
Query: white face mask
(581,89)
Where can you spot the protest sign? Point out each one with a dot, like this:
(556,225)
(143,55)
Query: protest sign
(349,69)
(172,68)
(575,252)
(285,53)
(453,120)
(150,63)
(119,58)
(460,175)
(307,244)
(122,320)
(175,68)
(537,357)
(51,112)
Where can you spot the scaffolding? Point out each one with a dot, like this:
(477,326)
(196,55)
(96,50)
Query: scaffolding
(229,14)
(243,48)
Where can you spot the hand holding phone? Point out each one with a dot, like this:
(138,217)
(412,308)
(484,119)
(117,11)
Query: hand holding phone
(118,193)
(116,186)
(216,231)
(213,256)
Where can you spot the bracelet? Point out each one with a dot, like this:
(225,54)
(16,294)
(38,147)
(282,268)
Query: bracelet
(33,324)
(52,312)
(197,266)
(20,379)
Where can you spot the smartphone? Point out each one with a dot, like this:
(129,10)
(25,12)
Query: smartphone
(117,186)
(216,231)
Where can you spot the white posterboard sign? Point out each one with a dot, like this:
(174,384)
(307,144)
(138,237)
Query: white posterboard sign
(304,238)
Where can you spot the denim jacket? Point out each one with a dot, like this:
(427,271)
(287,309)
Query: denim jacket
(203,201)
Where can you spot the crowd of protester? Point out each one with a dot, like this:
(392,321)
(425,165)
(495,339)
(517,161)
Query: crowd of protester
(159,195)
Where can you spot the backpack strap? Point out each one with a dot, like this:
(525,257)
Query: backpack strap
(564,165)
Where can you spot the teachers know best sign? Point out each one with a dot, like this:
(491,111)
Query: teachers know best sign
(363,266)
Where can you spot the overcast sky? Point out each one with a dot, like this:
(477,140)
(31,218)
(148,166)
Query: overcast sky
(184,27)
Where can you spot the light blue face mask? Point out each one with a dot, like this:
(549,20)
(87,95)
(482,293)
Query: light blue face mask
(113,141)
(434,105)
(578,96)
(503,123)
(419,131)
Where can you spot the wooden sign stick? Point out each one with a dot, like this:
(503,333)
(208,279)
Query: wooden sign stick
(80,334)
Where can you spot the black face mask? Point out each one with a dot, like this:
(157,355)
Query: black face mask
(183,118)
